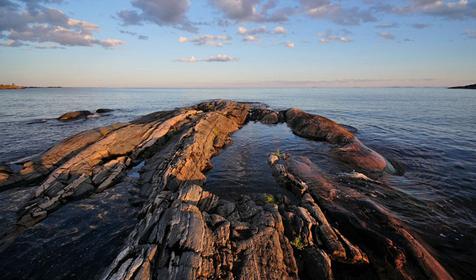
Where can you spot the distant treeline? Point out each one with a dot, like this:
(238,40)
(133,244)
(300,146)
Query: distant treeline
(473,86)
(11,86)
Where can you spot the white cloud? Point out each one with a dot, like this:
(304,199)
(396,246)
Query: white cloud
(220,58)
(215,58)
(290,45)
(340,37)
(82,24)
(191,59)
(250,38)
(207,40)
(242,30)
(280,30)
(254,31)
(251,35)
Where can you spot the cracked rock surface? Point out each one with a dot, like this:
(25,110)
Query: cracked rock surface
(142,185)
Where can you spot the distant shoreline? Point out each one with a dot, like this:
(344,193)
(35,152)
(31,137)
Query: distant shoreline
(473,86)
(16,87)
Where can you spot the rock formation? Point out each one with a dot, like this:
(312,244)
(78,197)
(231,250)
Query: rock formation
(323,230)
(76,115)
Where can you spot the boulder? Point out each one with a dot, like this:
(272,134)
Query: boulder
(76,115)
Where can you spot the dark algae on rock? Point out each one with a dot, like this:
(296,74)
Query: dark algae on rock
(129,201)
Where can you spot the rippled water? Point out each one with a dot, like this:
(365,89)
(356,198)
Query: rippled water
(431,131)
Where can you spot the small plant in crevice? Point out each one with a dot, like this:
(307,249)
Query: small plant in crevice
(298,243)
(269,198)
(279,154)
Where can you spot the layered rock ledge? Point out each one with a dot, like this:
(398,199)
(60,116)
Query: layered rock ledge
(324,229)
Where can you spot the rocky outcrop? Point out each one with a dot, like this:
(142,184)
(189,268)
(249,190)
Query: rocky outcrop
(36,169)
(390,249)
(348,146)
(318,230)
(76,115)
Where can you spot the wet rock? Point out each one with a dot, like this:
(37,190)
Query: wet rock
(270,118)
(5,173)
(349,148)
(389,247)
(76,115)
(104,110)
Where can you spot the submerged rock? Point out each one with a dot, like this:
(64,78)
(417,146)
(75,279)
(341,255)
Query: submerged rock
(318,231)
(104,110)
(76,115)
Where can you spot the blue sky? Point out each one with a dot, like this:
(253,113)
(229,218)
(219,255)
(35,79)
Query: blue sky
(237,43)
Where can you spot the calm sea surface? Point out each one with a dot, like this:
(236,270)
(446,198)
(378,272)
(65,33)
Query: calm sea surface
(432,132)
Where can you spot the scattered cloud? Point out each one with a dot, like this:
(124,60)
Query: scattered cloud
(135,34)
(470,34)
(329,36)
(290,45)
(453,9)
(280,30)
(220,58)
(420,25)
(215,58)
(387,25)
(335,12)
(160,12)
(386,35)
(251,35)
(191,59)
(252,10)
(207,40)
(254,31)
(33,24)
(250,38)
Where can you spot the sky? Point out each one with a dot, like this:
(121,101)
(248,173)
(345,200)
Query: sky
(237,43)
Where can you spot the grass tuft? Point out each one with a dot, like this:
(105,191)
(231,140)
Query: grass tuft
(269,198)
(297,243)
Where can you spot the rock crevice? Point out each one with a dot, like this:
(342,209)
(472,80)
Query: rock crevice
(323,230)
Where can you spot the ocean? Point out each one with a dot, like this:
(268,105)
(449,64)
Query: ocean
(431,132)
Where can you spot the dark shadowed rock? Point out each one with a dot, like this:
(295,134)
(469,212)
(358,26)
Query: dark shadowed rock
(104,110)
(76,115)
